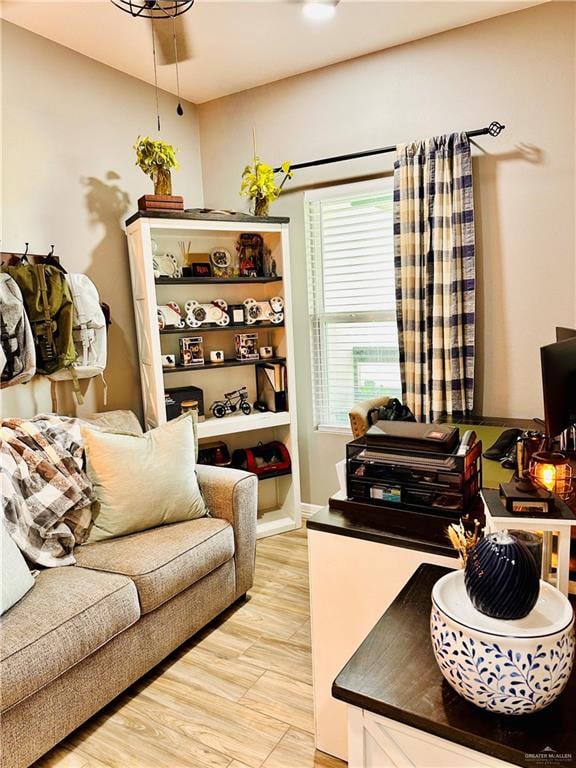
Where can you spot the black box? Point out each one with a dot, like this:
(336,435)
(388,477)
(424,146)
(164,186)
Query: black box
(175,396)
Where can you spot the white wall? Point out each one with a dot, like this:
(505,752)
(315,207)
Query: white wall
(69,178)
(518,69)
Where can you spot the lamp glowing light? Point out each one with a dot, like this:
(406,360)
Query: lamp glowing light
(551,471)
(319,11)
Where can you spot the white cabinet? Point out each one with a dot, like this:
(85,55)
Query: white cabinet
(379,742)
(352,582)
(279,497)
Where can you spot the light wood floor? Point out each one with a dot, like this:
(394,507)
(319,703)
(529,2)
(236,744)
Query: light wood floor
(239,695)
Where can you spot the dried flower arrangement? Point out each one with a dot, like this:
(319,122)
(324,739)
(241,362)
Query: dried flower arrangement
(463,540)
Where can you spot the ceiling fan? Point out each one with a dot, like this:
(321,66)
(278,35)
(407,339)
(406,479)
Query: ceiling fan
(167,31)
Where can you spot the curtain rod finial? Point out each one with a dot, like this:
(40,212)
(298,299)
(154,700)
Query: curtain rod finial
(495,128)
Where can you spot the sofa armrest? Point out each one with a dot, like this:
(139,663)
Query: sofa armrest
(232,495)
(359,414)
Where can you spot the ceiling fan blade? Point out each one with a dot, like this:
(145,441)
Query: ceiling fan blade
(164,30)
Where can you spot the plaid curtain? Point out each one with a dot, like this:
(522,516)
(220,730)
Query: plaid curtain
(434,263)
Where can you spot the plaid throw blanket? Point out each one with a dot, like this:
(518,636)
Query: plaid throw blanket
(46,496)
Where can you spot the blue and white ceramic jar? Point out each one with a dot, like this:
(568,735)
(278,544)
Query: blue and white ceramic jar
(513,667)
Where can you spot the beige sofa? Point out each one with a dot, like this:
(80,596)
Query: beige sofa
(84,633)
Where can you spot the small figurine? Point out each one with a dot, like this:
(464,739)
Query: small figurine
(234,401)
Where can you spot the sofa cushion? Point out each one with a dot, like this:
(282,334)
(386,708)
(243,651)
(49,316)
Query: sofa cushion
(16,578)
(157,469)
(164,561)
(68,615)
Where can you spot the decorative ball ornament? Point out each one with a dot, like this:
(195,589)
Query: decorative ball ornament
(501,577)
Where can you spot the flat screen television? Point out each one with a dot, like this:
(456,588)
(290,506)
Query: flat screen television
(559,385)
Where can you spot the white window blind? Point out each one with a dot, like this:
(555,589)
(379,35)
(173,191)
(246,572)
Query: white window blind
(350,257)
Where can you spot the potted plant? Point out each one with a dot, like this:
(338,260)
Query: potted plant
(156,158)
(259,185)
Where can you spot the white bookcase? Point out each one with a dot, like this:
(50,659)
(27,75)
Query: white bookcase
(278,497)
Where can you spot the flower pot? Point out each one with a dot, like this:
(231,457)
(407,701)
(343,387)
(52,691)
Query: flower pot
(162,181)
(512,667)
(261,206)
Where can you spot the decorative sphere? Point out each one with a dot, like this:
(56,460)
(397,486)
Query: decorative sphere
(501,577)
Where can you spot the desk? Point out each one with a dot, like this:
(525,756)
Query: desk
(559,521)
(403,712)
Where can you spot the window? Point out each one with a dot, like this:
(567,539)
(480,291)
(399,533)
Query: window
(350,256)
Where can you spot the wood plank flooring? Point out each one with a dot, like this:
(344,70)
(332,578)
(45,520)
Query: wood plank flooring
(238,695)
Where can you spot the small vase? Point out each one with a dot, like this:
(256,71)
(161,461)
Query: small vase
(162,181)
(501,577)
(261,206)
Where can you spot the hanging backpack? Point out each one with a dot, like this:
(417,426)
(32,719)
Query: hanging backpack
(49,308)
(88,333)
(16,337)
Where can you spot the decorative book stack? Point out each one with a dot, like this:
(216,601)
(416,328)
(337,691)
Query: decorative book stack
(161,203)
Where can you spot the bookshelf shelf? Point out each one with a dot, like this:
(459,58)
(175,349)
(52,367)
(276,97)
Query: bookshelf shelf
(214,280)
(228,363)
(254,328)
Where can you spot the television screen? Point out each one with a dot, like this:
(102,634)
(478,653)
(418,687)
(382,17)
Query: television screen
(559,385)
(562,334)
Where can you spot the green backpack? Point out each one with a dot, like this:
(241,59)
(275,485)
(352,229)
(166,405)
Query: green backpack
(50,310)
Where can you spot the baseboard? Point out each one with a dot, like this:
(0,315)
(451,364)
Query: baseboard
(309,509)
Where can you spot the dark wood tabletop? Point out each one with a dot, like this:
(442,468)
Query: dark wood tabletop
(394,674)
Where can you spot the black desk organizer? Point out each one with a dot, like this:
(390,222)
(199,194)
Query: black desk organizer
(416,480)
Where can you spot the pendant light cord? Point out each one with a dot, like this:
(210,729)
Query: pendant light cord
(179,109)
(155,76)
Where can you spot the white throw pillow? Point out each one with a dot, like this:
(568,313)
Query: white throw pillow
(142,482)
(16,576)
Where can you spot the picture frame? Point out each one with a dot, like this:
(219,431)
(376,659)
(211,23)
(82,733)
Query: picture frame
(236,313)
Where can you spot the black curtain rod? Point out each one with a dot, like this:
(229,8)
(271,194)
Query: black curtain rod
(494,129)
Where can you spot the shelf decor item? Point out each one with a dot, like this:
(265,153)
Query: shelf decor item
(264,311)
(156,158)
(513,667)
(192,350)
(501,577)
(264,460)
(176,397)
(247,346)
(259,183)
(170,316)
(233,401)
(213,313)
(215,453)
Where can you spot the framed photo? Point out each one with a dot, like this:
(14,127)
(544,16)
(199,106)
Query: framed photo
(236,312)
